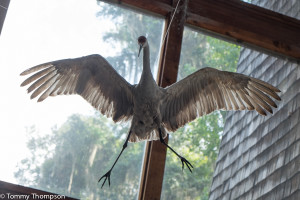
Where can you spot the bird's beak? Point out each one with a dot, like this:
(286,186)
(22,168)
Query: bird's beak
(141,46)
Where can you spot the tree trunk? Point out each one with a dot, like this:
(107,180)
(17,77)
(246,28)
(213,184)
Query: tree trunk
(71,177)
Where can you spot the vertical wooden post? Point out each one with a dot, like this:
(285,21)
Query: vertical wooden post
(155,152)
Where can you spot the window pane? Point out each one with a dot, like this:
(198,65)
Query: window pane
(63,145)
(198,141)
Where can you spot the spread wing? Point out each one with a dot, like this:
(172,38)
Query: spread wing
(208,90)
(92,77)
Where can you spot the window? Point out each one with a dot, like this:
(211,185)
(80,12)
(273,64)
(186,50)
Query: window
(198,141)
(63,145)
(49,153)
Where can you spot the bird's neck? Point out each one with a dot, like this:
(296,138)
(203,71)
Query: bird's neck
(147,76)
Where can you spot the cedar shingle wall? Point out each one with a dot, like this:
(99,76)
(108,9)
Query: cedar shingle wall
(259,156)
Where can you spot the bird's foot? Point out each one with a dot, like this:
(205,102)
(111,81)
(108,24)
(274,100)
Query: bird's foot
(107,176)
(187,163)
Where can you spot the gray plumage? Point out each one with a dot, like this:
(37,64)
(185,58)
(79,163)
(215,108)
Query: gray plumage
(149,106)
(153,110)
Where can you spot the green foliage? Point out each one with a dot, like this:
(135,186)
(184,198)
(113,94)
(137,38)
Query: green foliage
(222,55)
(199,51)
(83,149)
(199,140)
(128,27)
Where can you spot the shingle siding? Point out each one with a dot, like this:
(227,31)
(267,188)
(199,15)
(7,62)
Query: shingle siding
(259,156)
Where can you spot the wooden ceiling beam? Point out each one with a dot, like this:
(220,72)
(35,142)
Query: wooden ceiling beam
(160,7)
(237,21)
(247,24)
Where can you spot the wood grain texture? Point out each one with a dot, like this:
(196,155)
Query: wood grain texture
(248,24)
(160,7)
(13,189)
(237,21)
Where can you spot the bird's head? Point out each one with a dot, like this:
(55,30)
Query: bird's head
(142,41)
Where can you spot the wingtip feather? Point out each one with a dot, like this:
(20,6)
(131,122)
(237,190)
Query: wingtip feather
(23,73)
(41,99)
(35,68)
(23,84)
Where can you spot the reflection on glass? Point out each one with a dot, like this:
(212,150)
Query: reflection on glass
(199,140)
(70,158)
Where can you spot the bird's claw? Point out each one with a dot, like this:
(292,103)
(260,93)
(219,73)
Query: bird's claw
(107,176)
(187,163)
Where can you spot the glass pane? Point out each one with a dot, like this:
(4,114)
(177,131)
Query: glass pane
(199,140)
(63,145)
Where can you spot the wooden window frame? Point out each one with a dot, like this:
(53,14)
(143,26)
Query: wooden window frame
(233,20)
(13,189)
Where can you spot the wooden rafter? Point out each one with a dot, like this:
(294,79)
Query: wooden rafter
(235,20)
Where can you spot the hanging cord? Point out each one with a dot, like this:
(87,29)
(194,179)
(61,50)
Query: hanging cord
(167,32)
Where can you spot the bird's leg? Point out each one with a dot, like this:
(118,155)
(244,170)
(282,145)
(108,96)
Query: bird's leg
(183,160)
(107,175)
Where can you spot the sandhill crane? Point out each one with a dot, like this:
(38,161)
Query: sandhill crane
(153,110)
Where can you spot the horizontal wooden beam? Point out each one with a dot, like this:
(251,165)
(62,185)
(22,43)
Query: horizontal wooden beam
(8,190)
(237,21)
(249,24)
(160,7)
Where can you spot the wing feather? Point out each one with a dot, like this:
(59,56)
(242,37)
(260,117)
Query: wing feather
(44,86)
(60,87)
(91,76)
(48,91)
(226,95)
(263,96)
(210,89)
(40,81)
(245,100)
(256,106)
(37,75)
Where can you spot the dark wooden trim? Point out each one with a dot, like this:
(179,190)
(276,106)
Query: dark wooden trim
(155,155)
(3,10)
(157,7)
(237,21)
(13,189)
(247,24)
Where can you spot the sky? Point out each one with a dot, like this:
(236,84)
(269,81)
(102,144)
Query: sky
(34,32)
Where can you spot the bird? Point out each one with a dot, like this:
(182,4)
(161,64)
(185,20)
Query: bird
(154,111)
